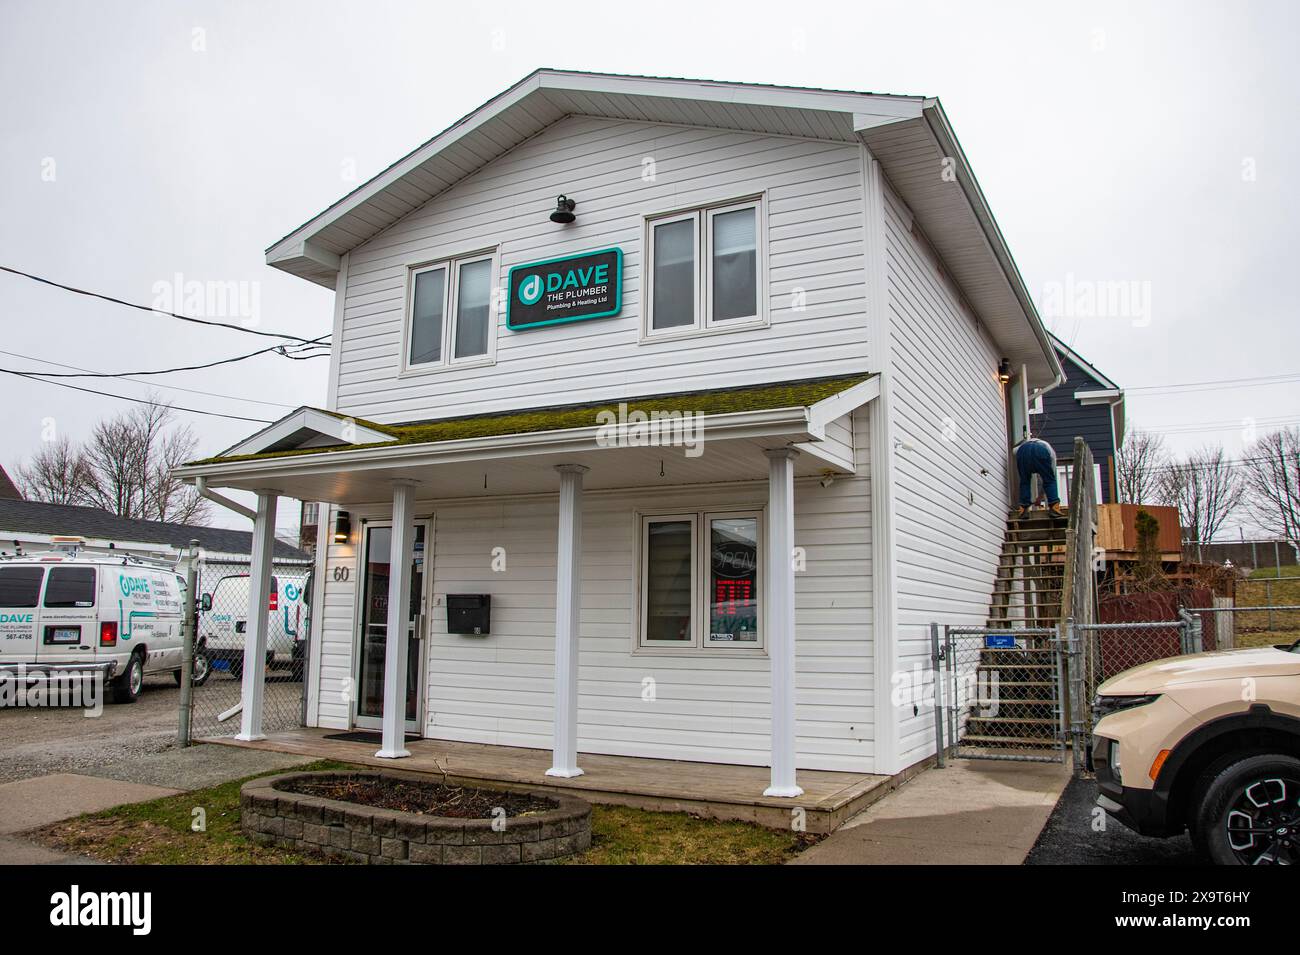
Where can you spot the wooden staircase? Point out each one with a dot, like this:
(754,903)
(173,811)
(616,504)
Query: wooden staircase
(1031,572)
(1022,679)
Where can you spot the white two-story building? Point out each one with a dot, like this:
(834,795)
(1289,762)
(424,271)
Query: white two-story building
(681,464)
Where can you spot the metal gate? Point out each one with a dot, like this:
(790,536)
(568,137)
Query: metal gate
(1003,693)
(213,670)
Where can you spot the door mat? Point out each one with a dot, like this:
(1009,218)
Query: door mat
(365,736)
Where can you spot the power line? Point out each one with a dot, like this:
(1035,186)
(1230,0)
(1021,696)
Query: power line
(156,311)
(279,349)
(193,391)
(143,401)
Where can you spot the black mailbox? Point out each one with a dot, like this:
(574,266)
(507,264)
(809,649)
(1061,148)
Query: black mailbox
(469,613)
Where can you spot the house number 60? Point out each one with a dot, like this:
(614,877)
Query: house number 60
(341,572)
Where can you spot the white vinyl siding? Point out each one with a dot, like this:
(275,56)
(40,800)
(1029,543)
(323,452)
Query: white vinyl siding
(714,707)
(814,237)
(950,425)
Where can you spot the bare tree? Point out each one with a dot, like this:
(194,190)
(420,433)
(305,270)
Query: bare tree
(57,474)
(1207,489)
(1139,466)
(125,468)
(1271,474)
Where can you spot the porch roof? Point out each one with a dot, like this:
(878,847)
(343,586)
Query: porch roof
(504,452)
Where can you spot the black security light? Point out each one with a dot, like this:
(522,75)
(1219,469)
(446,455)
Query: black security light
(1004,371)
(342,527)
(563,210)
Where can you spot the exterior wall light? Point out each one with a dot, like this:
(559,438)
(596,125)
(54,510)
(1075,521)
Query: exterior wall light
(342,527)
(1004,371)
(563,213)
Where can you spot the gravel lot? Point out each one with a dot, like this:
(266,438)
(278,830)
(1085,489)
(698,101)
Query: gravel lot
(35,742)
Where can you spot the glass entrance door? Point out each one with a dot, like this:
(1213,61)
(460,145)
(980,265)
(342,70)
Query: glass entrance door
(374,626)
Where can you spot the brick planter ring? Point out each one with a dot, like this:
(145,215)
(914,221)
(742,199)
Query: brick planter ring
(272,816)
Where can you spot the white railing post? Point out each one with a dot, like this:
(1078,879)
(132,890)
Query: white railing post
(393,745)
(780,617)
(259,613)
(568,609)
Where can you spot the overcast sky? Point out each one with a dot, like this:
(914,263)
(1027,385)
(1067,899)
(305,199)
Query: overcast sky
(1149,144)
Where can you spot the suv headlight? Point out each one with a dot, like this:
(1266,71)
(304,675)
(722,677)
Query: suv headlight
(1104,706)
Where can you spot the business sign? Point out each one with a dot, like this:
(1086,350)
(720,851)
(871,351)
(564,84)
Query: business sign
(568,289)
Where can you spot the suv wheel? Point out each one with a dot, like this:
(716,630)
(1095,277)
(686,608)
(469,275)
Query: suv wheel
(127,687)
(1251,813)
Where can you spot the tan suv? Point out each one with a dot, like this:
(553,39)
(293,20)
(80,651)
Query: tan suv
(1210,744)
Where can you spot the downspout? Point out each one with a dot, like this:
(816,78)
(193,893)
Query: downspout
(201,485)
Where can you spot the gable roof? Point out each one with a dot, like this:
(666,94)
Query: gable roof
(910,136)
(1090,369)
(9,490)
(36,517)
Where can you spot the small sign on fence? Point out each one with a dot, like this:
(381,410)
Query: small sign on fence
(1000,641)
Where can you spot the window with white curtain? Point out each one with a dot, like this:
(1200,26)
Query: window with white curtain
(704,270)
(449,313)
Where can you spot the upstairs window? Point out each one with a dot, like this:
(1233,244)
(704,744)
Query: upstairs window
(704,270)
(450,313)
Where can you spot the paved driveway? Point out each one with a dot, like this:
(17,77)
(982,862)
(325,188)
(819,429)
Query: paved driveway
(1069,838)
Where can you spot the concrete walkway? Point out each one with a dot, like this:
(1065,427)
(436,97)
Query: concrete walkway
(974,812)
(40,800)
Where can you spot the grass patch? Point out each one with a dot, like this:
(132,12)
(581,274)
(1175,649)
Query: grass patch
(1275,572)
(159,832)
(623,836)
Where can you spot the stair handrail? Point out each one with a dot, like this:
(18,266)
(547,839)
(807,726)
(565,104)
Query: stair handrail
(1081,527)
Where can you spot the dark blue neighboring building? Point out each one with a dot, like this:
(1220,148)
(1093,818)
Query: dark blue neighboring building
(1088,405)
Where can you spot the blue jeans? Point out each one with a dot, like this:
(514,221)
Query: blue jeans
(1034,459)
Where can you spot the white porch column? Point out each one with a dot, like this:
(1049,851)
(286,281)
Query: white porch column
(399,596)
(568,607)
(259,599)
(780,616)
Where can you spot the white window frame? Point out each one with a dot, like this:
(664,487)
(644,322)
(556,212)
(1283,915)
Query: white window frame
(760,270)
(701,643)
(706,632)
(647,326)
(704,323)
(451,297)
(643,589)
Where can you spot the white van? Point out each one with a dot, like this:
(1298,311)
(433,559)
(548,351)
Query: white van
(62,611)
(223,623)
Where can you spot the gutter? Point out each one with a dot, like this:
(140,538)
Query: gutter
(792,423)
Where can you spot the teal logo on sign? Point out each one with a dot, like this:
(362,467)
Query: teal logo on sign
(531,289)
(567,289)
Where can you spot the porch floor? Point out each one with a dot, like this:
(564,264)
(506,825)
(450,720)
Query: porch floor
(711,790)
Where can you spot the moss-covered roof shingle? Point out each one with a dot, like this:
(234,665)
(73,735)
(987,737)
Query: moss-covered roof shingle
(789,394)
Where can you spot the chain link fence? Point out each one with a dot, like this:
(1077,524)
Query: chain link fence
(1234,626)
(1001,693)
(217,672)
